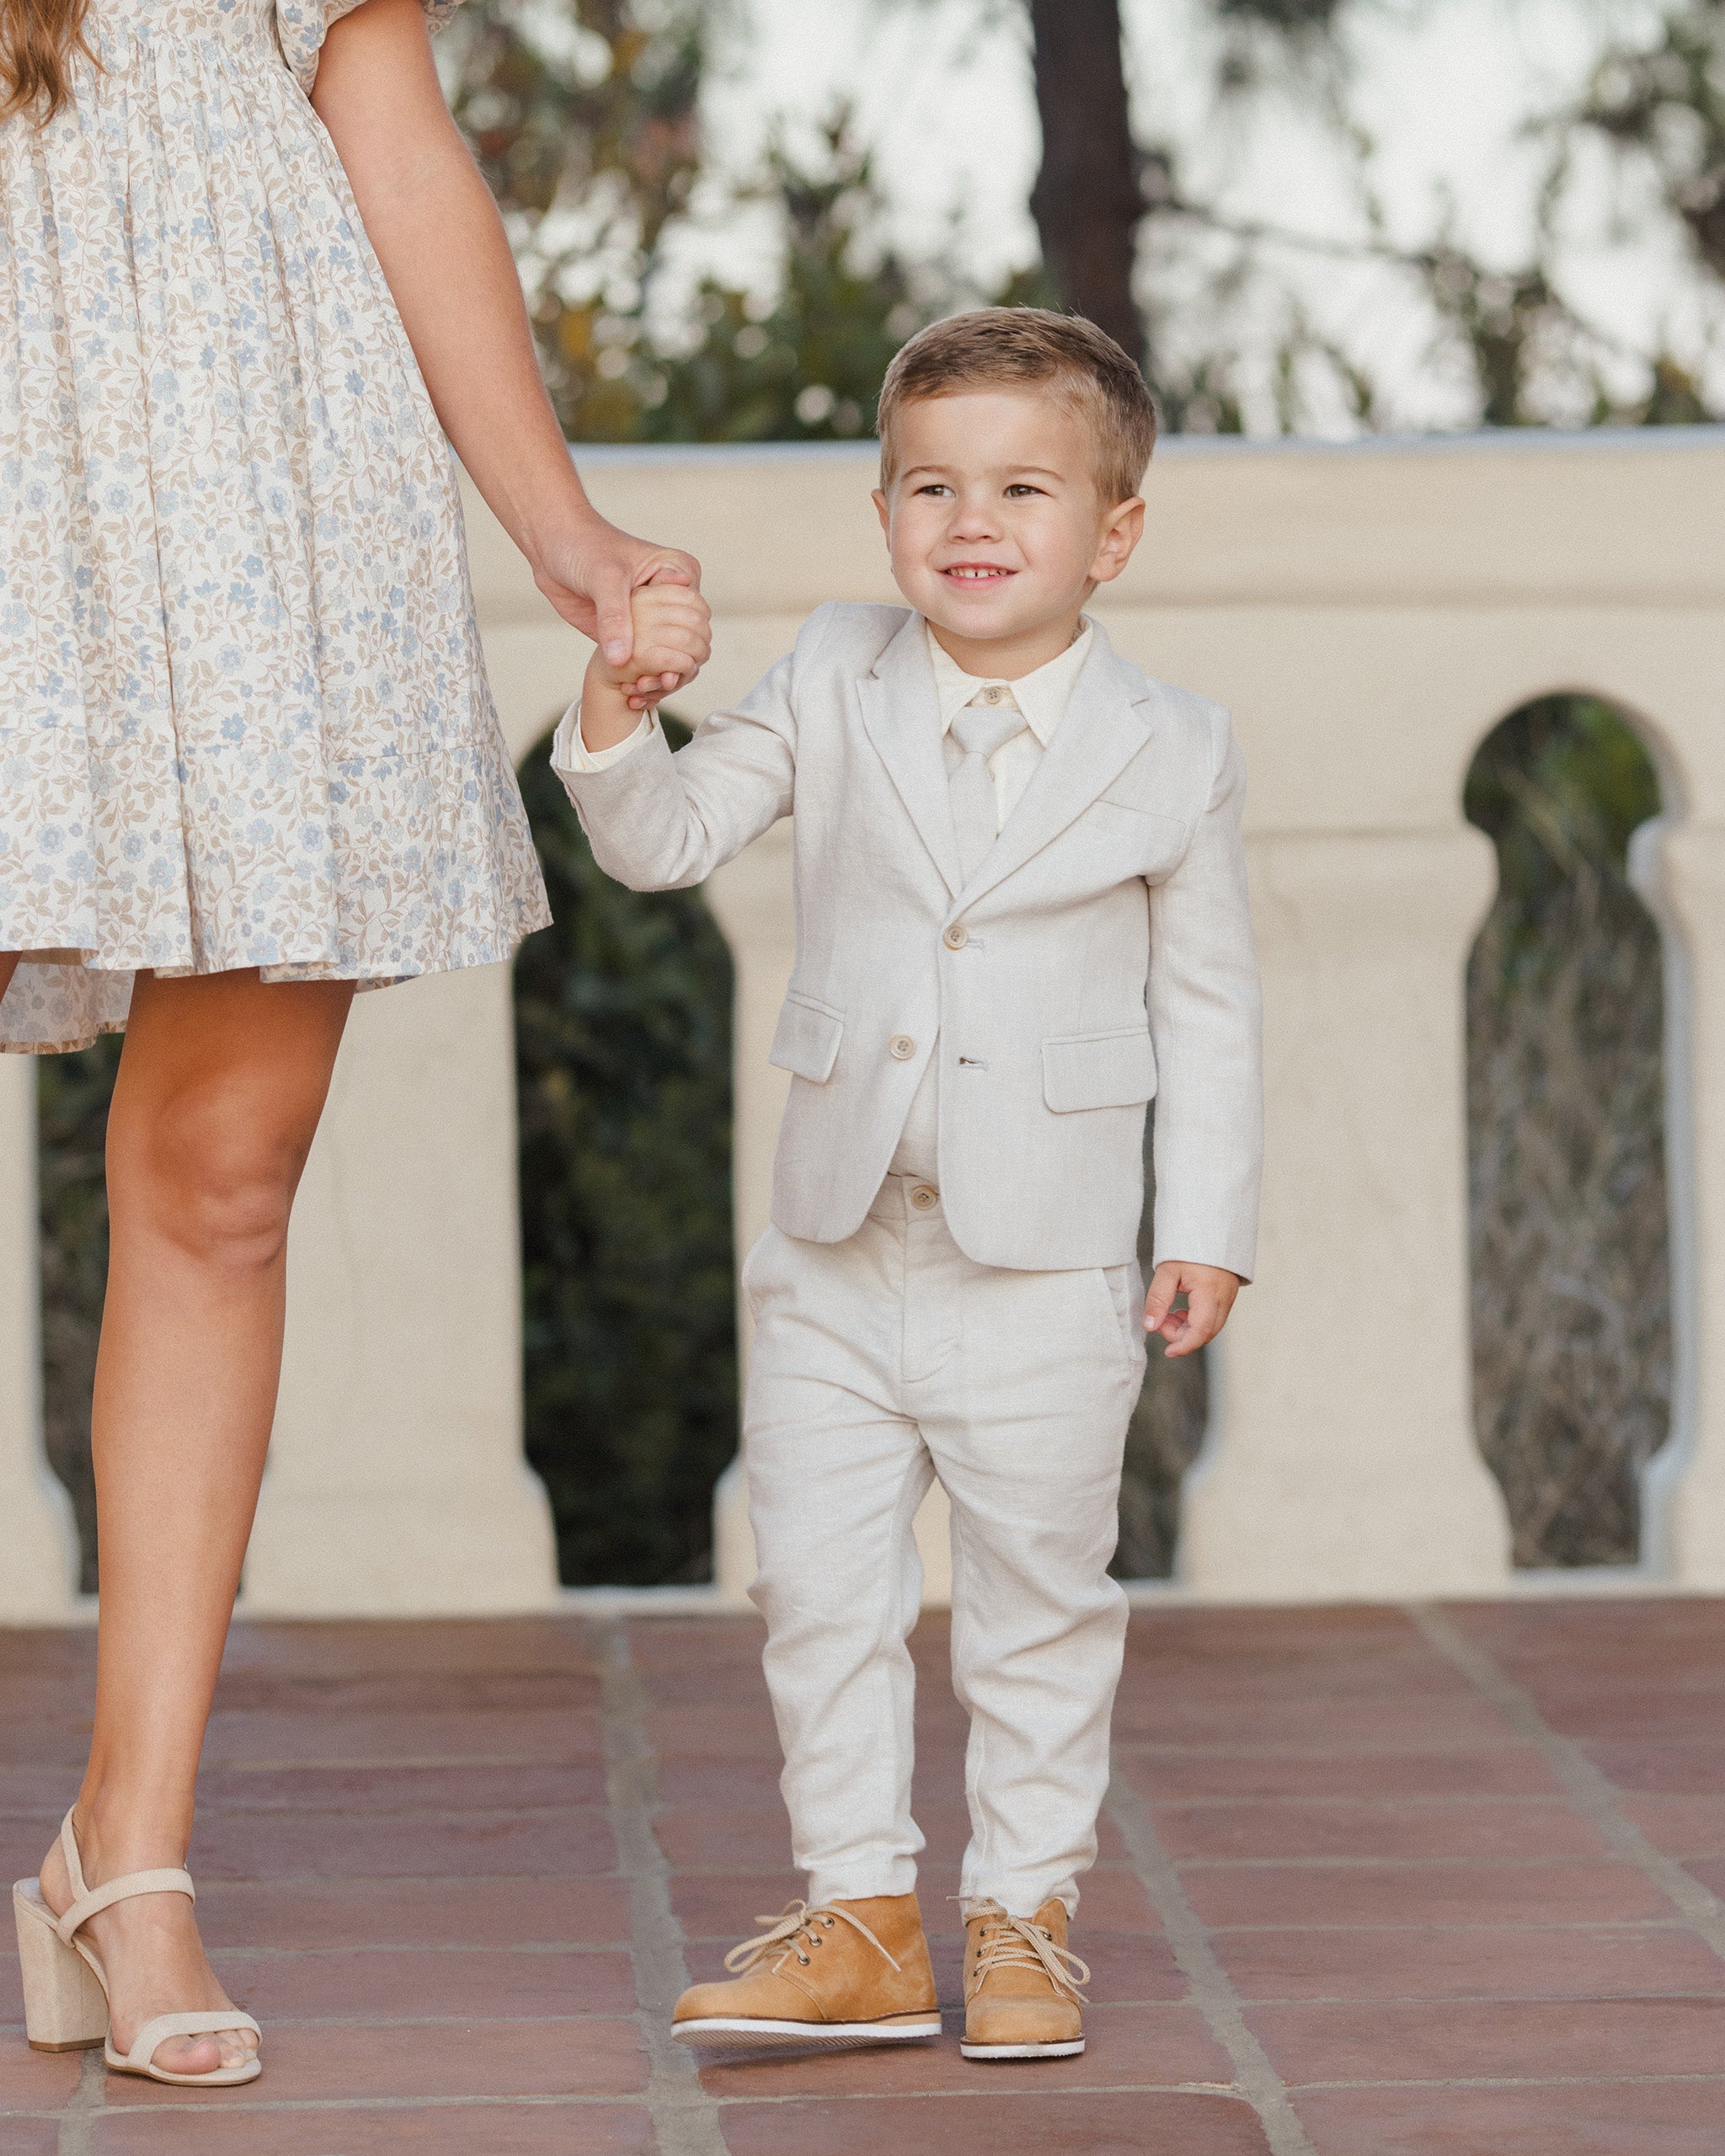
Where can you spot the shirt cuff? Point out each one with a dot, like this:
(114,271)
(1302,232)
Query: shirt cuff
(570,753)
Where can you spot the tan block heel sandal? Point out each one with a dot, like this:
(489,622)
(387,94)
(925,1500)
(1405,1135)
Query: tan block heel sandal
(65,1992)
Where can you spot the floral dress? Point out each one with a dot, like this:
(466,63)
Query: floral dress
(243,715)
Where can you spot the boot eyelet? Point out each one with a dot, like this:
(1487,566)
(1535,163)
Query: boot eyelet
(803,1959)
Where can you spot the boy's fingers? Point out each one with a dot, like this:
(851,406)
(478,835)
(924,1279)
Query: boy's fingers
(1164,1286)
(685,608)
(1208,1305)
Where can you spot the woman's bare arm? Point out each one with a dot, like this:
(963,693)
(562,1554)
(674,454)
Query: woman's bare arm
(436,232)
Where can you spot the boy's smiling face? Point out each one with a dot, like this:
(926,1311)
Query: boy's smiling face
(997,530)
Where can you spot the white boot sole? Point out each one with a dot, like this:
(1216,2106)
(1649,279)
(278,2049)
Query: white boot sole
(824,2035)
(1022,2051)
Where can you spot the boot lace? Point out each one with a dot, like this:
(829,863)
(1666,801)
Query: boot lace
(1010,1942)
(797,1927)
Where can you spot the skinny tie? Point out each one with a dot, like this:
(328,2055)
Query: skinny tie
(979,730)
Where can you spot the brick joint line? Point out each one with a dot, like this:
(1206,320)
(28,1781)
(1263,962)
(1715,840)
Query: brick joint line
(1587,1789)
(1207,1983)
(77,2120)
(685,2117)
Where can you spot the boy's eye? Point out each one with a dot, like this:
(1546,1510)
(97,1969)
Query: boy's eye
(1021,487)
(934,486)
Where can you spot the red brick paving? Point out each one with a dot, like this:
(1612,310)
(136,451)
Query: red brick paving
(1355,1897)
(1032,2126)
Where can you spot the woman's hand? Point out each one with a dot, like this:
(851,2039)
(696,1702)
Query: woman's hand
(588,575)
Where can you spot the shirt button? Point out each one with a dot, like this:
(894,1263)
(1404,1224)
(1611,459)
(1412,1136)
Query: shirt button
(901,1047)
(957,936)
(923,1198)
(994,696)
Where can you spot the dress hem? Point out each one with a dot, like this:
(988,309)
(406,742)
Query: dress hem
(287,973)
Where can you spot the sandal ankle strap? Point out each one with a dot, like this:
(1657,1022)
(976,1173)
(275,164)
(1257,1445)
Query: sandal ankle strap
(89,1902)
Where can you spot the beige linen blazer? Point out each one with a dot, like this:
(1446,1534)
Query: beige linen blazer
(1102,954)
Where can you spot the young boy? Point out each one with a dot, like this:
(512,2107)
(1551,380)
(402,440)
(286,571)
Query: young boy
(1022,912)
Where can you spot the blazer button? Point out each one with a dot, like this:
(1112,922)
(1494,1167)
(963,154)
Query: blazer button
(923,1198)
(901,1047)
(956,936)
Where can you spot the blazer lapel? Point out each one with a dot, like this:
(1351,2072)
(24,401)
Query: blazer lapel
(901,714)
(1111,717)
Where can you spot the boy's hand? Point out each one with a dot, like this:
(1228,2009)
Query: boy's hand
(1210,1291)
(672,643)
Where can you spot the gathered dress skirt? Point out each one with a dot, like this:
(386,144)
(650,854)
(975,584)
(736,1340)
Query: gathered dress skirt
(243,714)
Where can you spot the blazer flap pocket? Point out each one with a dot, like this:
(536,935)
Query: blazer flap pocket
(1098,1070)
(807,1041)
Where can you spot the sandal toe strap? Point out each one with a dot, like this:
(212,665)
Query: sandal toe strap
(124,1889)
(154,2034)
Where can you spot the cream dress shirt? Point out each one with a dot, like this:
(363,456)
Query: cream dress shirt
(1043,696)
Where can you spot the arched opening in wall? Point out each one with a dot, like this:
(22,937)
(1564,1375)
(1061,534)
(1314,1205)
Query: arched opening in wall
(1162,1438)
(72,1093)
(623,1084)
(1572,1295)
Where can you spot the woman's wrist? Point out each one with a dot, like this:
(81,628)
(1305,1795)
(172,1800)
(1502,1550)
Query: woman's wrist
(555,522)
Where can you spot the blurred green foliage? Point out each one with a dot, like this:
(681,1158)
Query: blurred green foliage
(808,366)
(73,1092)
(804,366)
(1559,790)
(1568,1219)
(623,1063)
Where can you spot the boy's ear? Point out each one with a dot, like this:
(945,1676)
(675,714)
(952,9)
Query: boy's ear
(1120,537)
(883,511)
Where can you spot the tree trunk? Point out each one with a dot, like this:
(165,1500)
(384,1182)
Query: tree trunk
(1087,201)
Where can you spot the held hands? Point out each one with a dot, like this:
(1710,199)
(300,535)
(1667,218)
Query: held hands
(1210,1291)
(670,642)
(592,572)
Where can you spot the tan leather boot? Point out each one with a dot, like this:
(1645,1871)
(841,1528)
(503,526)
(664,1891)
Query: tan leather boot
(1022,1998)
(838,1975)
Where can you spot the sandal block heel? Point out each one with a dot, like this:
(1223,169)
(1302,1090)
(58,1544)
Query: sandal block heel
(64,2010)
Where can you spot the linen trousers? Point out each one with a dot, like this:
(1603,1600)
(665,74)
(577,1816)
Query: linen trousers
(878,1364)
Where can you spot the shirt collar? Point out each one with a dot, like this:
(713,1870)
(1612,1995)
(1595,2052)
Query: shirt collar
(1043,696)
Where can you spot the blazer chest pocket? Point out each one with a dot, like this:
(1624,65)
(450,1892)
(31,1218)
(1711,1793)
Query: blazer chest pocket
(807,1041)
(1098,1070)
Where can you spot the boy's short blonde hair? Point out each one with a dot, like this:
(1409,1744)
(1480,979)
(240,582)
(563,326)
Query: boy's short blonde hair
(1019,347)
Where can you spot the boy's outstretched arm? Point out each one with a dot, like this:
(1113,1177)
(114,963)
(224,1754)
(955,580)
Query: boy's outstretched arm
(657,822)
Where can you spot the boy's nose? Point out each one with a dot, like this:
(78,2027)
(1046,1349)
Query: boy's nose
(975,520)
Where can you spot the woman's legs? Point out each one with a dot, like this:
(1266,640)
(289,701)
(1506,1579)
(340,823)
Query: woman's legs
(220,1085)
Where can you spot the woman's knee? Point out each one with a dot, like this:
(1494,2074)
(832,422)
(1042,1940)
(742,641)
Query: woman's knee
(213,1177)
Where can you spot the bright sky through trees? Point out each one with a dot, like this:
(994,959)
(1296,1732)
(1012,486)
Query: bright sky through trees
(1449,92)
